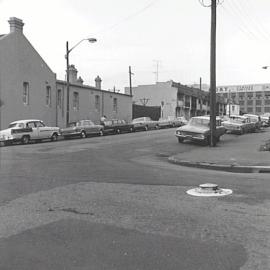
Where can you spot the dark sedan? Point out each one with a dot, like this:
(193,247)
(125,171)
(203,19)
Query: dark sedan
(117,126)
(82,129)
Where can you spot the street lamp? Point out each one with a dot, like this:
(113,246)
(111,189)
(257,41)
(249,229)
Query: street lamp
(91,40)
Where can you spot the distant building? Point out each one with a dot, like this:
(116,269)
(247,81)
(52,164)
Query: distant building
(232,109)
(252,98)
(29,88)
(175,99)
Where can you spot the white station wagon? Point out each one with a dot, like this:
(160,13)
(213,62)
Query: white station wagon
(26,130)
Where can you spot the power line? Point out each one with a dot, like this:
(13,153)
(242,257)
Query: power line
(131,16)
(243,29)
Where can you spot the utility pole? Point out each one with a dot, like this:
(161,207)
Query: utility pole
(67,63)
(130,84)
(213,75)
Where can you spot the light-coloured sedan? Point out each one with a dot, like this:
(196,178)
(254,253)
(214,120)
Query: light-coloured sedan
(238,124)
(82,129)
(26,130)
(144,123)
(198,129)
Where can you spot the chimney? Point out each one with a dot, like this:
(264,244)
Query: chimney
(73,74)
(80,81)
(98,82)
(16,25)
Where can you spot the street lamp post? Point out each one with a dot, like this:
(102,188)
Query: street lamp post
(92,40)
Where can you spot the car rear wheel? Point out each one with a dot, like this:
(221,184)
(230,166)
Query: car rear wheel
(25,139)
(83,135)
(54,137)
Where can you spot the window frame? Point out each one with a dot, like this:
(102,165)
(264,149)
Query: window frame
(25,97)
(48,101)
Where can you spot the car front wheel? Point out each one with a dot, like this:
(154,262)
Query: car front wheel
(83,135)
(25,139)
(54,137)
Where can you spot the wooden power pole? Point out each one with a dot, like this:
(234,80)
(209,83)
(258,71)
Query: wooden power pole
(213,75)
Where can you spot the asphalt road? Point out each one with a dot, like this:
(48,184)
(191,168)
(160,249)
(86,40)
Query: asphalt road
(114,202)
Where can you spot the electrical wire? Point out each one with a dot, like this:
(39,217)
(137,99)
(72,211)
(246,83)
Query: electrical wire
(131,16)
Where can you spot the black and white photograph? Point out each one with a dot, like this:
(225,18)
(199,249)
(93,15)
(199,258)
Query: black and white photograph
(134,135)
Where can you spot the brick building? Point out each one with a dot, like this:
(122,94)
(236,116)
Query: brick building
(29,88)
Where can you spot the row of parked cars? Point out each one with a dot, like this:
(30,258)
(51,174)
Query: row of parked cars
(24,131)
(198,128)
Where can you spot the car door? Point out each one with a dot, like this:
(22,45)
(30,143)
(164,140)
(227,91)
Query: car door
(32,125)
(43,131)
(90,128)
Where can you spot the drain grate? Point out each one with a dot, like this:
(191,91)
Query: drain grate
(209,190)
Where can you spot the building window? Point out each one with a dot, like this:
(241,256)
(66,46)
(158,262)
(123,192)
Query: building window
(48,96)
(267,109)
(250,102)
(250,109)
(241,95)
(59,98)
(76,101)
(25,93)
(267,102)
(258,95)
(258,109)
(97,103)
(267,94)
(241,102)
(258,102)
(115,104)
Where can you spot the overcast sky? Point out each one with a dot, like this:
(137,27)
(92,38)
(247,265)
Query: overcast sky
(172,36)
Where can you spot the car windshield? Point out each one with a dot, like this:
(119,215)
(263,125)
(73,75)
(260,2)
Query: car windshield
(199,122)
(238,120)
(137,120)
(18,125)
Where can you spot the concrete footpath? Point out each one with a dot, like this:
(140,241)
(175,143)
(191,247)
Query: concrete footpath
(244,154)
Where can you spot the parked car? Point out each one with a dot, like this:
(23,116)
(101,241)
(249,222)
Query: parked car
(81,128)
(239,125)
(198,129)
(26,130)
(144,123)
(178,121)
(164,123)
(255,119)
(265,120)
(117,126)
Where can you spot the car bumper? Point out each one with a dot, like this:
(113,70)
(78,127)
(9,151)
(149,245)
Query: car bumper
(191,137)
